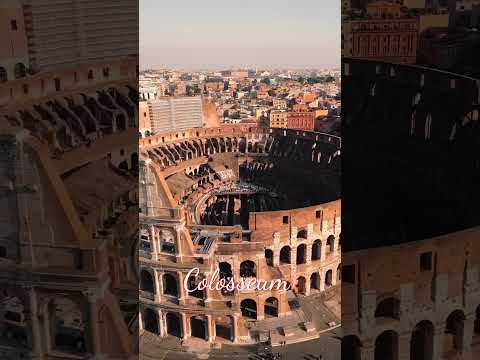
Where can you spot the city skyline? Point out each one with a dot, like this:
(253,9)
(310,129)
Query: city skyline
(216,32)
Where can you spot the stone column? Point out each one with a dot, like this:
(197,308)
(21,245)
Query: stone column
(438,341)
(34,323)
(322,280)
(323,250)
(158,285)
(334,276)
(367,351)
(276,257)
(468,327)
(309,253)
(161,324)
(307,286)
(404,346)
(185,326)
(154,243)
(260,309)
(234,328)
(140,322)
(211,335)
(93,296)
(181,289)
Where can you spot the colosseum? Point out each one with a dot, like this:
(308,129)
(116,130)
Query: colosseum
(233,198)
(411,251)
(69,204)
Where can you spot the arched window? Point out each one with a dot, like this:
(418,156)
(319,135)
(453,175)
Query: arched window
(3,75)
(389,308)
(20,71)
(248,269)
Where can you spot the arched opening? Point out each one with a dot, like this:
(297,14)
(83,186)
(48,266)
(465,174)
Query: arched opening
(386,346)
(174,325)
(248,269)
(351,348)
(301,254)
(330,244)
(269,257)
(476,324)
(328,278)
(302,234)
(13,327)
(453,337)
(134,162)
(339,272)
(421,342)
(249,308)
(301,285)
(285,255)
(146,282)
(3,74)
(316,250)
(388,308)
(150,321)
(192,284)
(225,270)
(315,281)
(20,70)
(197,326)
(224,328)
(170,285)
(271,307)
(68,325)
(123,165)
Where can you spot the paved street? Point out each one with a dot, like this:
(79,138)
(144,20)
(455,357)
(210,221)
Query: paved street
(328,345)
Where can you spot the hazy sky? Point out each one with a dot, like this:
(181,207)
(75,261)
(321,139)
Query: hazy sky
(220,34)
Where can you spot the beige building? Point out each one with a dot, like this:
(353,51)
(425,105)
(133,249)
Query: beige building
(278,119)
(176,113)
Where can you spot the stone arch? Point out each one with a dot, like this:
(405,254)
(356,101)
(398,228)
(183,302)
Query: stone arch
(330,244)
(421,341)
(315,281)
(174,324)
(339,272)
(225,270)
(147,282)
(68,325)
(316,250)
(386,346)
(329,278)
(269,257)
(170,285)
(285,255)
(388,308)
(150,321)
(224,327)
(302,234)
(198,327)
(20,70)
(351,348)
(454,332)
(3,74)
(248,269)
(271,307)
(249,308)
(301,254)
(13,325)
(301,285)
(134,161)
(123,165)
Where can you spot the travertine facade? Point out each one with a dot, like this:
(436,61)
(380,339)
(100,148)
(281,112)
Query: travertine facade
(69,188)
(182,177)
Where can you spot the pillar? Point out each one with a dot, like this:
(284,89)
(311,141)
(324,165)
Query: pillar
(334,276)
(323,250)
(367,351)
(185,326)
(92,296)
(404,346)
(260,309)
(276,257)
(309,253)
(162,326)
(181,289)
(307,286)
(211,333)
(34,323)
(438,341)
(468,327)
(234,328)
(157,278)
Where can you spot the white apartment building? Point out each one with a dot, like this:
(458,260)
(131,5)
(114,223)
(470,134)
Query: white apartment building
(176,113)
(93,30)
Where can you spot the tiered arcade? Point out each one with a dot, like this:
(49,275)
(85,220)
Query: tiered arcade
(181,173)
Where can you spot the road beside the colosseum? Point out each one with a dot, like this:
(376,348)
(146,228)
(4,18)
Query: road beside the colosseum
(328,345)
